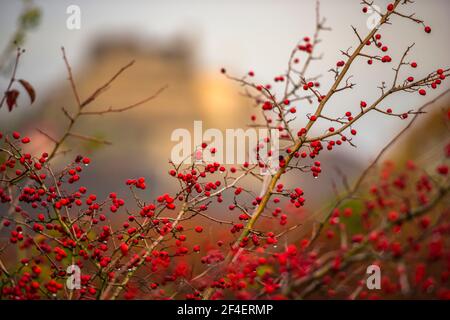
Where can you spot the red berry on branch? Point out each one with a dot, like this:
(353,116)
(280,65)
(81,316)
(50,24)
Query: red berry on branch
(443,170)
(26,140)
(386,59)
(124,248)
(393,216)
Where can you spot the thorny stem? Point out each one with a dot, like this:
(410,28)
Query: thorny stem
(145,253)
(349,255)
(81,105)
(68,133)
(13,76)
(365,173)
(268,192)
(113,289)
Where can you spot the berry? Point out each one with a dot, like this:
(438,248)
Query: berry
(25,140)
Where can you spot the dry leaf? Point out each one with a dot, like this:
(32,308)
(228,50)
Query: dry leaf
(29,88)
(11,98)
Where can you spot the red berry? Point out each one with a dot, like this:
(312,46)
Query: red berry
(425,222)
(26,140)
(393,216)
(386,59)
(443,169)
(124,248)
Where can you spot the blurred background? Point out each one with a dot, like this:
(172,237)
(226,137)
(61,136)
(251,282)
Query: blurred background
(184,45)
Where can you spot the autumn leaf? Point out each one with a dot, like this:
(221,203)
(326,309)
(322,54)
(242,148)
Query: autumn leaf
(29,88)
(11,98)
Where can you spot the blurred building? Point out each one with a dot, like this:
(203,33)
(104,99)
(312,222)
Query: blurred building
(141,136)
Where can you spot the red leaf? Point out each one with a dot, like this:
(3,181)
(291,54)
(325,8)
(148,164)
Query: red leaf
(29,88)
(11,98)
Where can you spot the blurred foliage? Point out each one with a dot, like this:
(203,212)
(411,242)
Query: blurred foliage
(263,269)
(90,146)
(29,19)
(353,222)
